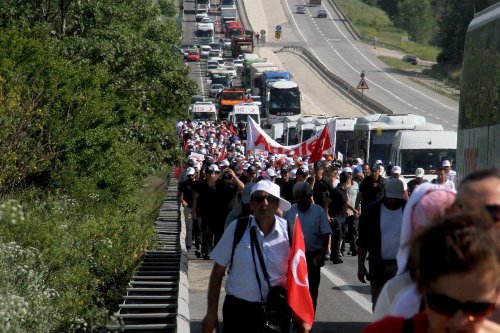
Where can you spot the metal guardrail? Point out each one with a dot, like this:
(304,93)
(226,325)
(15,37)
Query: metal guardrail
(367,103)
(157,299)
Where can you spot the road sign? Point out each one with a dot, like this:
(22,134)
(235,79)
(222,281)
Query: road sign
(278,28)
(277,35)
(263,32)
(362,85)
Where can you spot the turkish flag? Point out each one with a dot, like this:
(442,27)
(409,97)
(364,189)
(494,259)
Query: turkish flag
(222,154)
(298,296)
(323,143)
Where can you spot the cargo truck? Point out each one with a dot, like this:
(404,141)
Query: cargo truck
(228,99)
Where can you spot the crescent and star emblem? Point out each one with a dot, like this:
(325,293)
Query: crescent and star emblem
(295,265)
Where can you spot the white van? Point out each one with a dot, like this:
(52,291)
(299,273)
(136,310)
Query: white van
(242,111)
(203,111)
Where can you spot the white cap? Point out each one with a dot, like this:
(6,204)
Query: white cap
(274,190)
(446,163)
(190,171)
(358,160)
(378,162)
(224,163)
(271,172)
(419,173)
(396,169)
(213,167)
(348,169)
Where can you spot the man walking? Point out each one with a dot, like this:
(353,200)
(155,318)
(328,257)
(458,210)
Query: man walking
(379,236)
(316,231)
(246,288)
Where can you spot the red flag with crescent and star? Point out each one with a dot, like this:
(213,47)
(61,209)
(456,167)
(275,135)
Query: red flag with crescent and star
(298,296)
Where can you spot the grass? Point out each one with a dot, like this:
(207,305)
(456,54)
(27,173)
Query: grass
(438,90)
(374,22)
(399,64)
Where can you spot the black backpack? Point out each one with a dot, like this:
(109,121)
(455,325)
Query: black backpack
(241,226)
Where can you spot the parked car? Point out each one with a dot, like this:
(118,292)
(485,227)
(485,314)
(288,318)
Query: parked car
(215,90)
(322,13)
(193,56)
(411,59)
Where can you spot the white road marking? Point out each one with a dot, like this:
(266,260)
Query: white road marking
(346,288)
(368,60)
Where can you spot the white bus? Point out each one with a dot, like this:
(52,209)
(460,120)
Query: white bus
(478,143)
(373,140)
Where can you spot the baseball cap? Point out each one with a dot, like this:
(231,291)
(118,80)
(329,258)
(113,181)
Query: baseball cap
(419,173)
(446,163)
(358,160)
(378,162)
(271,173)
(301,172)
(274,190)
(375,167)
(357,170)
(213,168)
(224,163)
(394,189)
(252,168)
(190,171)
(347,170)
(396,169)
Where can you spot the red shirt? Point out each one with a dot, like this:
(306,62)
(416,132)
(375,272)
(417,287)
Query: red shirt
(395,324)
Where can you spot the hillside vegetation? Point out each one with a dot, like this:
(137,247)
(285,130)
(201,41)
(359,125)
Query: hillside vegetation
(89,92)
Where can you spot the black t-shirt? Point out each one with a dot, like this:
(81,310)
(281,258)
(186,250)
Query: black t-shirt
(287,192)
(207,199)
(186,188)
(225,195)
(371,190)
(320,189)
(338,203)
(412,184)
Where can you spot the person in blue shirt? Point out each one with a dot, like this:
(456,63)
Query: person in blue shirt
(316,229)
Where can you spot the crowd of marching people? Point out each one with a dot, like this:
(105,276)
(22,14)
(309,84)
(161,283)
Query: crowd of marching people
(431,254)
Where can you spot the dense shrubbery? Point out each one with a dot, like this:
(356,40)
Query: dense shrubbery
(89,92)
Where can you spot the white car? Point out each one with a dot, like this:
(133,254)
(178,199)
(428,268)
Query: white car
(206,20)
(238,64)
(215,89)
(225,43)
(200,16)
(230,70)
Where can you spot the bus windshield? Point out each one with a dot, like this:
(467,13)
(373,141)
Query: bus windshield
(243,117)
(205,33)
(345,142)
(232,96)
(284,102)
(427,159)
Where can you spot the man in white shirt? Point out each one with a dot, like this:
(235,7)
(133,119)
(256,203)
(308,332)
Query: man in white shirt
(242,309)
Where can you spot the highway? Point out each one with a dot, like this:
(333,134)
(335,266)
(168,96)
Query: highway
(331,42)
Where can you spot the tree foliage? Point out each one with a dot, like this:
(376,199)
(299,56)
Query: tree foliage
(415,16)
(89,92)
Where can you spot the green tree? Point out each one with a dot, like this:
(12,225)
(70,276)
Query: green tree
(415,16)
(453,22)
(390,7)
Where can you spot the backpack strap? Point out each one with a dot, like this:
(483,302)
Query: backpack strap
(241,227)
(408,326)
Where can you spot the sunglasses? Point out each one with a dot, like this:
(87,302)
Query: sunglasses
(494,211)
(261,198)
(449,306)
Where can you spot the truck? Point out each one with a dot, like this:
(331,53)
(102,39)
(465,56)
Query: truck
(255,74)
(203,111)
(229,98)
(314,2)
(228,13)
(234,28)
(248,60)
(220,76)
(241,45)
(425,146)
(242,111)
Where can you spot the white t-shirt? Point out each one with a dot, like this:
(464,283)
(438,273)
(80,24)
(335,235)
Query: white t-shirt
(390,230)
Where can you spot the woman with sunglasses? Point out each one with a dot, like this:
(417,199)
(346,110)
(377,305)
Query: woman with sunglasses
(457,262)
